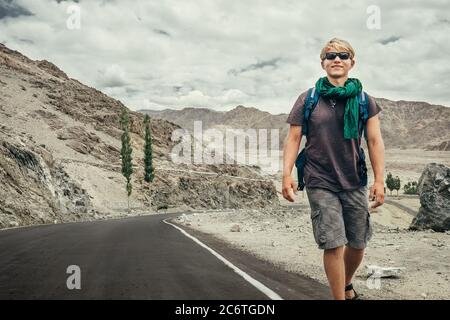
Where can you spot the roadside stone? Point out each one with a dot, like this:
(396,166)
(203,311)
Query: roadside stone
(13,224)
(235,228)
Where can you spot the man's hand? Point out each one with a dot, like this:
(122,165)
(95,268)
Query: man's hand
(377,194)
(289,188)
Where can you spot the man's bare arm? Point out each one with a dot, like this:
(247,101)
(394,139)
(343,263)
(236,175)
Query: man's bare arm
(375,145)
(290,152)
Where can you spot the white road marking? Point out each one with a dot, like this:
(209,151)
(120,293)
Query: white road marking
(258,285)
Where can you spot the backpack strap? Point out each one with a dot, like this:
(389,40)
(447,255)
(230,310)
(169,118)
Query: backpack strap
(311,100)
(363,101)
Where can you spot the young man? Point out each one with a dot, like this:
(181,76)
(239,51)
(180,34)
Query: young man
(339,204)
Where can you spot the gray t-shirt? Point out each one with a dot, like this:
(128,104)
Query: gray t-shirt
(331,160)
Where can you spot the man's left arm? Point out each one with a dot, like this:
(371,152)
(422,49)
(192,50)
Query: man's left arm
(375,145)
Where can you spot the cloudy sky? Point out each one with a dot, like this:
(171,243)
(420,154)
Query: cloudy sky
(222,53)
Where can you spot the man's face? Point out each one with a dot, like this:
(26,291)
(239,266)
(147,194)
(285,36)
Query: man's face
(338,67)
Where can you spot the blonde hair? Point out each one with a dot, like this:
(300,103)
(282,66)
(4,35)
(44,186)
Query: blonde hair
(337,44)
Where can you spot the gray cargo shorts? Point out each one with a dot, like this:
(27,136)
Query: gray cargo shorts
(340,218)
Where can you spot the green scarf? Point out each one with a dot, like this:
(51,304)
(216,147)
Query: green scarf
(350,90)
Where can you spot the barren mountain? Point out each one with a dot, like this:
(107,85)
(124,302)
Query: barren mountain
(404,124)
(60,155)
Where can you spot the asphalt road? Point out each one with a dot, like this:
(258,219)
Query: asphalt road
(133,258)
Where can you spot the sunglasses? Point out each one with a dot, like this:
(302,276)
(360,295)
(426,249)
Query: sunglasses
(333,55)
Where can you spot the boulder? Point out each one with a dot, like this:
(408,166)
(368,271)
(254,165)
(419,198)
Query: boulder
(434,191)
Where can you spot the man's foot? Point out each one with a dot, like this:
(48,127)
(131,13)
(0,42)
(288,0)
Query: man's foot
(350,293)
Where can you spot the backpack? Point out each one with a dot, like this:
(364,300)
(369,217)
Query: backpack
(311,101)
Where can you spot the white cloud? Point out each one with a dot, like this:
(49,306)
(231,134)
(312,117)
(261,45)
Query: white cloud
(218,54)
(113,76)
(196,98)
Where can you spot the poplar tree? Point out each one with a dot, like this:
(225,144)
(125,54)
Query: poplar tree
(148,165)
(125,152)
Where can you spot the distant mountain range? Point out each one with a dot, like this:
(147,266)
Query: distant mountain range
(404,124)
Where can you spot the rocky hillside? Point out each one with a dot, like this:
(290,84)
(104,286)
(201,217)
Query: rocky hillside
(60,155)
(404,124)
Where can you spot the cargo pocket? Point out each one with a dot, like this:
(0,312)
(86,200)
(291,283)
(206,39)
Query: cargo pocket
(316,220)
(369,229)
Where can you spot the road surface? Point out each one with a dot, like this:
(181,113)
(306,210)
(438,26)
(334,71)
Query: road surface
(134,258)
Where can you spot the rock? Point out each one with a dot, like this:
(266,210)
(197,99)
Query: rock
(235,228)
(51,68)
(13,224)
(434,190)
(8,211)
(443,146)
(383,272)
(439,245)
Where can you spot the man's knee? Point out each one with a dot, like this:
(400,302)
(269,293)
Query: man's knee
(353,250)
(336,252)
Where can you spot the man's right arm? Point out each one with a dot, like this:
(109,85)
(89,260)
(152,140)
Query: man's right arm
(290,152)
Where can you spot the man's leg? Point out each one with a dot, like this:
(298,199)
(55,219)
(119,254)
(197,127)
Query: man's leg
(352,260)
(333,260)
(329,233)
(358,230)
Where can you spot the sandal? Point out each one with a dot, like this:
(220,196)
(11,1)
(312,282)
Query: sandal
(349,288)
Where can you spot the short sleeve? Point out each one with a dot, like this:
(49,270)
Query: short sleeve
(296,115)
(374,107)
